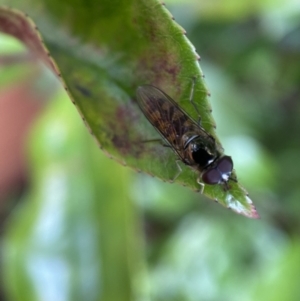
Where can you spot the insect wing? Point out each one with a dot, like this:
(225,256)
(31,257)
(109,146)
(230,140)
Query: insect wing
(159,110)
(165,115)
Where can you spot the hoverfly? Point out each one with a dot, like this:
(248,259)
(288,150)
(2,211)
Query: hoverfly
(194,146)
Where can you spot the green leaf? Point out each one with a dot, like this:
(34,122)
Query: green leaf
(104,51)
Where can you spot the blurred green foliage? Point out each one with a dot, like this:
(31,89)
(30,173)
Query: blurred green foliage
(72,238)
(195,250)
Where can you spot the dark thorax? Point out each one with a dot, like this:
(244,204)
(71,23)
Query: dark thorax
(199,152)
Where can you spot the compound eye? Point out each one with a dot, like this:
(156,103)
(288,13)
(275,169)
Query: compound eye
(225,165)
(212,176)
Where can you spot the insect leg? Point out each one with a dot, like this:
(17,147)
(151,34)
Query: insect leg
(178,171)
(157,140)
(192,100)
(201,185)
(151,140)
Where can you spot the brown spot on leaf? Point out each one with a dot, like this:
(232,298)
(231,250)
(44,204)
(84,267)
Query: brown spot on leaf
(123,137)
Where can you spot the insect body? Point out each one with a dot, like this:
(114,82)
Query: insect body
(194,146)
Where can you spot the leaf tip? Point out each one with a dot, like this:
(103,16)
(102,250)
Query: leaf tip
(246,208)
(250,213)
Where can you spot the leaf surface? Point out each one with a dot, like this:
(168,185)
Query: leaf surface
(102,51)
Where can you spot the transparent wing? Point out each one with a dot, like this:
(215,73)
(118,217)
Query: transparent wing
(165,115)
(160,111)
